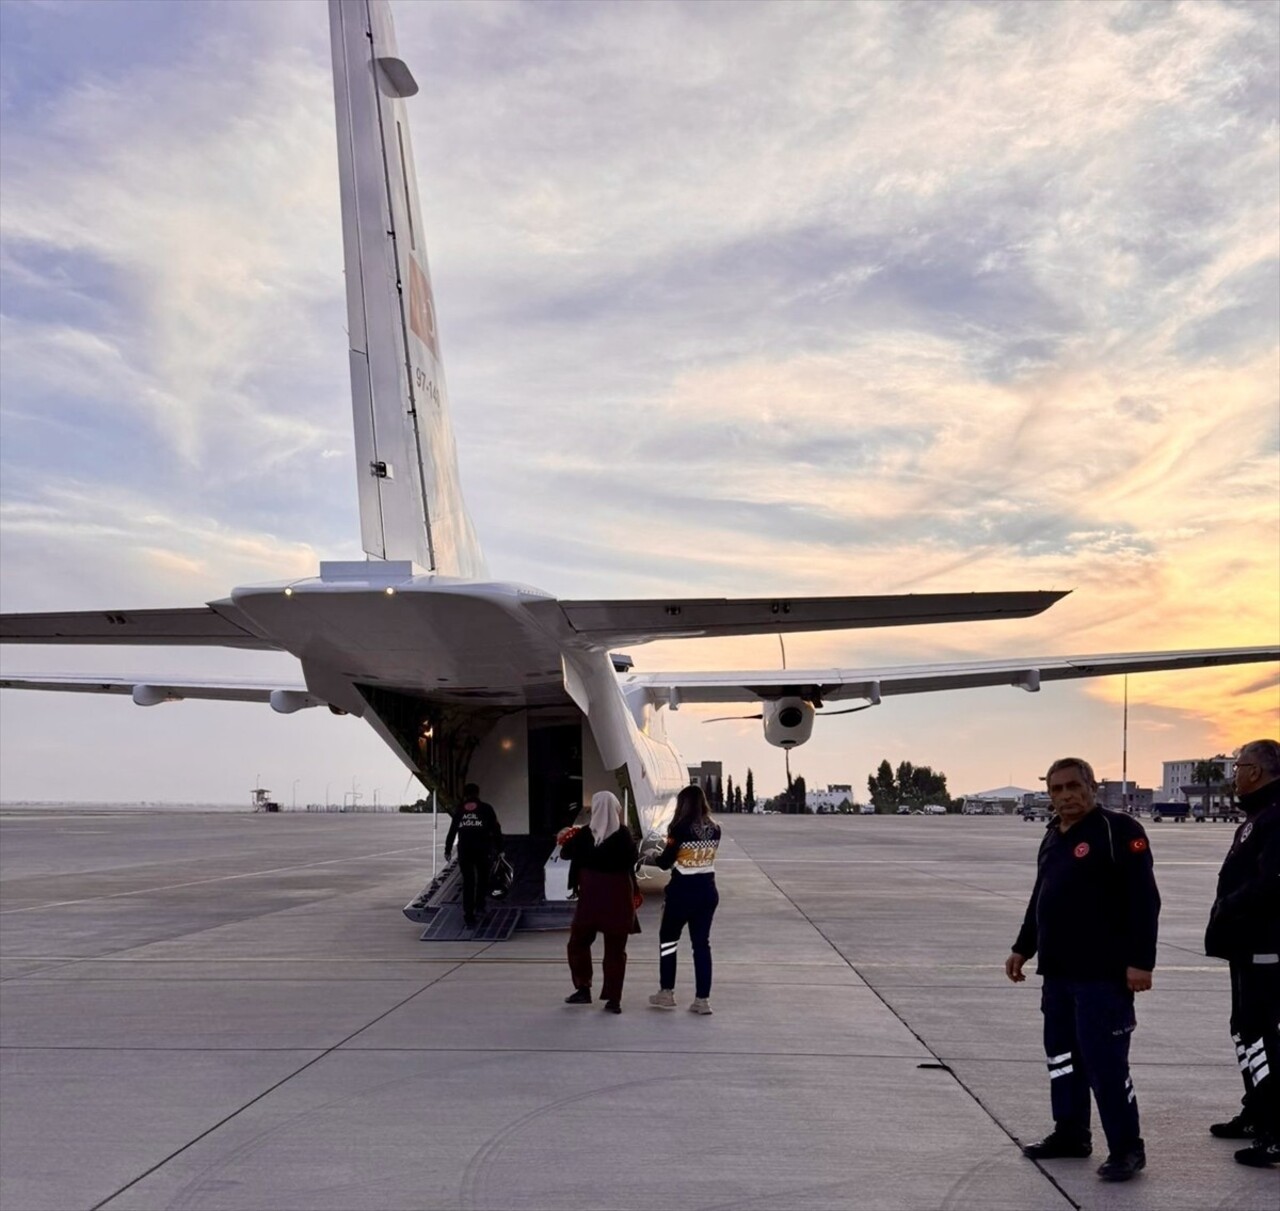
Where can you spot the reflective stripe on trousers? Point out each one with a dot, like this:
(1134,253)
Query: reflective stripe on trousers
(690,900)
(1087,1025)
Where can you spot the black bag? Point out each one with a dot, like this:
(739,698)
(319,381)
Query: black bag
(500,877)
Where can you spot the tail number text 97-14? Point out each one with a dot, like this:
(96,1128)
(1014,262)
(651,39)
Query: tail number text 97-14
(426,385)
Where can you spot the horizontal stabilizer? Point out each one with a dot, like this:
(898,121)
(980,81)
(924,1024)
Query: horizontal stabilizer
(834,685)
(610,623)
(194,627)
(285,698)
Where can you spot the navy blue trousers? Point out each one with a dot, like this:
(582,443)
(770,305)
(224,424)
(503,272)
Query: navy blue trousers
(1087,1024)
(690,900)
(1255,1030)
(475,883)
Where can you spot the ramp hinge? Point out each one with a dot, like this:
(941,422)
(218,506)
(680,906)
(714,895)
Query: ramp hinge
(381,470)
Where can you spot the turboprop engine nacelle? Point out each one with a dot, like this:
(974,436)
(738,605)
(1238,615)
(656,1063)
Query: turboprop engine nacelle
(787,722)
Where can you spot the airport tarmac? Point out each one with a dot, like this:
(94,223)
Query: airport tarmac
(230,1011)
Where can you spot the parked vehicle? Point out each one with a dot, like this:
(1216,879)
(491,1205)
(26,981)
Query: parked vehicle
(1227,812)
(1177,812)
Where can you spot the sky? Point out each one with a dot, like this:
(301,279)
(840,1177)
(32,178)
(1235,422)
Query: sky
(735,299)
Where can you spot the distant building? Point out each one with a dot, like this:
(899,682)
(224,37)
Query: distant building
(837,796)
(1003,800)
(1119,797)
(1179,777)
(709,776)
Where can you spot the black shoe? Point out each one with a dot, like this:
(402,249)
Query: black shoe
(581,996)
(1059,1144)
(1261,1154)
(612,1007)
(1121,1166)
(1239,1128)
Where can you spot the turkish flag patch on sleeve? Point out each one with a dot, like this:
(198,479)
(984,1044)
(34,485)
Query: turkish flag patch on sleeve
(1137,845)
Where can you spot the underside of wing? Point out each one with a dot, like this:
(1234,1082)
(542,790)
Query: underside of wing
(832,685)
(199,626)
(609,623)
(283,697)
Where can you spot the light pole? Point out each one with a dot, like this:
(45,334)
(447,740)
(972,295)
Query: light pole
(1124,750)
(326,795)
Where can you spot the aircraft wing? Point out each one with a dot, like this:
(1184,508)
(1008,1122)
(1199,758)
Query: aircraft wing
(213,626)
(283,697)
(833,685)
(609,623)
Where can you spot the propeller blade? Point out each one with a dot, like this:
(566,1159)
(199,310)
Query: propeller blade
(725,718)
(849,710)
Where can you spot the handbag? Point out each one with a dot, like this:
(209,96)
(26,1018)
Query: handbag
(555,877)
(501,876)
(637,899)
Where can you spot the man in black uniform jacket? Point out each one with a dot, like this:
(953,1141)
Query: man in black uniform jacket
(1092,919)
(1244,929)
(479,836)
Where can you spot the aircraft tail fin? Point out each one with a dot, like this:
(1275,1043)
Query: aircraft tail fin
(411,504)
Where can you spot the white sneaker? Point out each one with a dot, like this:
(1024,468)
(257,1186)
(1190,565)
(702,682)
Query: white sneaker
(700,1005)
(664,998)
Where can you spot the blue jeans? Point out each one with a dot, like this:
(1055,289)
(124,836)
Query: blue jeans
(1087,1024)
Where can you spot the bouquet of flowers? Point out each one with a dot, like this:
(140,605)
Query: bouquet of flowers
(566,835)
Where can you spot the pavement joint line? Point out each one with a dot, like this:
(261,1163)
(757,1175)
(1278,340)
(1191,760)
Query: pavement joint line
(257,1098)
(605,1050)
(1033,1061)
(252,874)
(557,960)
(907,1026)
(545,960)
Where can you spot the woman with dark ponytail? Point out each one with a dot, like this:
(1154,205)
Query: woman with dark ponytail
(691,897)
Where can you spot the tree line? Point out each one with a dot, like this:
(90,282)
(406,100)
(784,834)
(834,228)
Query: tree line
(910,786)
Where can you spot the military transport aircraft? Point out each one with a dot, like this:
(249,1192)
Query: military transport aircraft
(470,678)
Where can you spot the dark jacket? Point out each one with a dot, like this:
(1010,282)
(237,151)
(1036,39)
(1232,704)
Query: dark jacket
(476,829)
(606,880)
(1094,907)
(1245,918)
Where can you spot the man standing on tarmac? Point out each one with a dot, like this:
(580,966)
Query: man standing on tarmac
(475,827)
(1244,929)
(1092,919)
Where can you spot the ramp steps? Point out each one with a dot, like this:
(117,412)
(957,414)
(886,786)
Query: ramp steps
(446,925)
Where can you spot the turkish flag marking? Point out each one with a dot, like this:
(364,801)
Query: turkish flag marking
(422,308)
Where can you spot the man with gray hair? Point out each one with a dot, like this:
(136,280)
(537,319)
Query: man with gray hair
(1244,929)
(1092,920)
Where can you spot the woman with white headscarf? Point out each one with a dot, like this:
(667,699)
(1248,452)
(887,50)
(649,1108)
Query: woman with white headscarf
(606,855)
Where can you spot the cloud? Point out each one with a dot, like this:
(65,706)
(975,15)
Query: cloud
(733,298)
(138,551)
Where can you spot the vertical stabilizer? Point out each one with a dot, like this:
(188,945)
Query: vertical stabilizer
(411,503)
